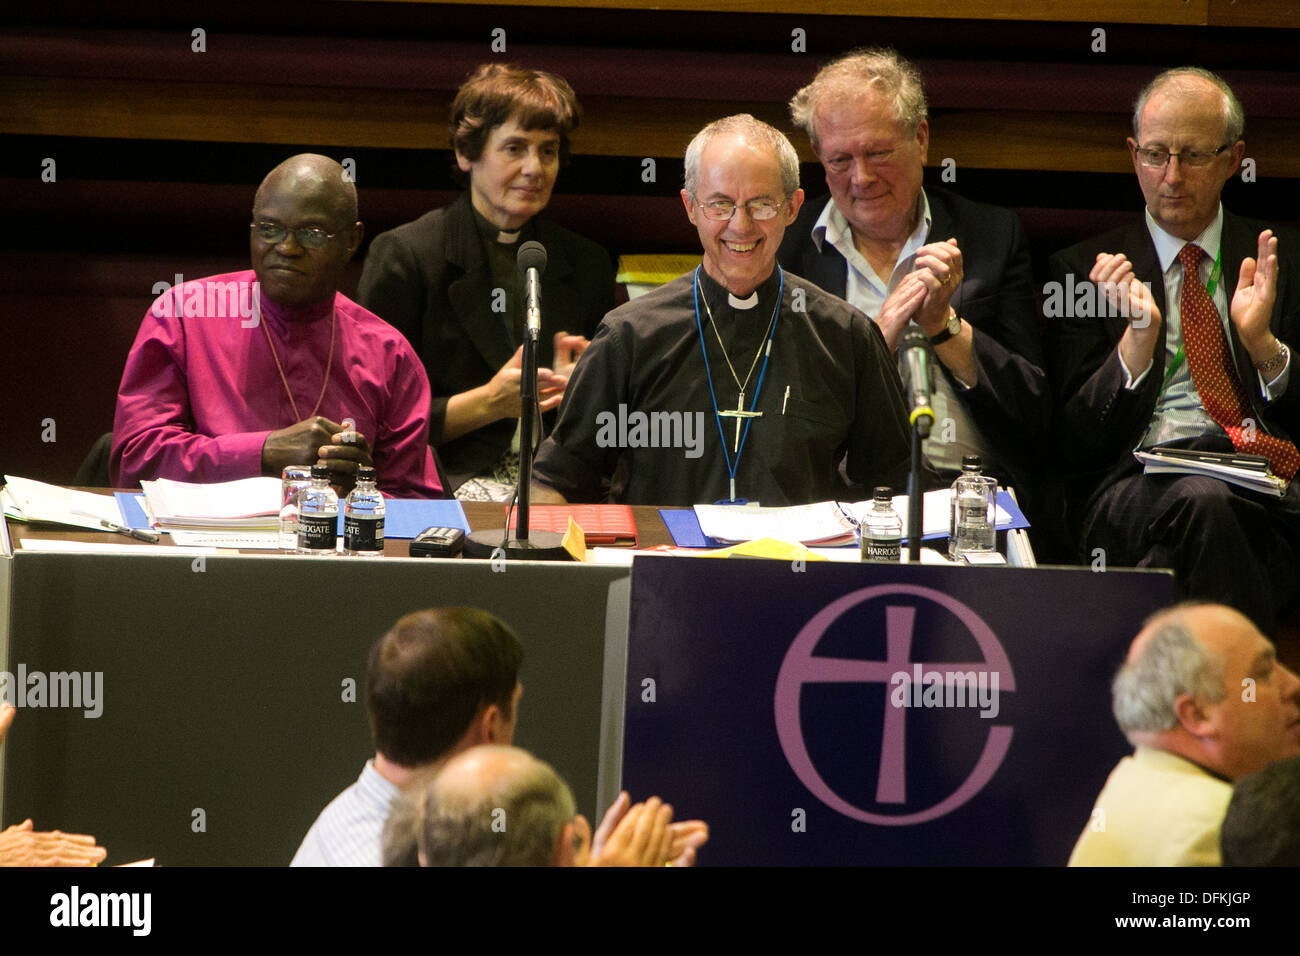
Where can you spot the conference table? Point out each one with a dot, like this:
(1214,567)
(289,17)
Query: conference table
(220,700)
(233,686)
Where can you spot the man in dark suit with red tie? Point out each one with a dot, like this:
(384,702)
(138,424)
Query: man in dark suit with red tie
(1190,349)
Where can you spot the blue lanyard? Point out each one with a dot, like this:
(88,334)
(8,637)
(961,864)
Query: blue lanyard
(771,334)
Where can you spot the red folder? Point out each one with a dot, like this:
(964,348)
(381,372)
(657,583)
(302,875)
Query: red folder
(601,524)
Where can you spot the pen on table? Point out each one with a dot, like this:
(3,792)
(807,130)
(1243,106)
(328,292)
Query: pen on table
(148,536)
(785,401)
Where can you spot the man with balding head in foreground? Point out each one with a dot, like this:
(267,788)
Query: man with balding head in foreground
(241,374)
(1204,700)
(501,806)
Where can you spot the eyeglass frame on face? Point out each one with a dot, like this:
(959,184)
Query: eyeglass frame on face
(1202,157)
(717,205)
(298,234)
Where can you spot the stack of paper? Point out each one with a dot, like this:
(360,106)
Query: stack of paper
(1246,471)
(246,504)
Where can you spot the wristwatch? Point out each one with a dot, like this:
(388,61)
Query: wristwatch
(951,327)
(1276,363)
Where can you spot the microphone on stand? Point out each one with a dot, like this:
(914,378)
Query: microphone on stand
(531,263)
(540,545)
(920,380)
(920,383)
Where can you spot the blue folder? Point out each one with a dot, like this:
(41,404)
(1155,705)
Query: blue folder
(404,518)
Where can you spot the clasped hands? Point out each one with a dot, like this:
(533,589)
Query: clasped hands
(317,440)
(924,294)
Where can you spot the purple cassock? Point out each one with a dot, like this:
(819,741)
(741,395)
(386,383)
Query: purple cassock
(201,390)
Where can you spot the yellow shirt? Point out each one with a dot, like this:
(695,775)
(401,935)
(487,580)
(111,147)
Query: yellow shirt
(1156,809)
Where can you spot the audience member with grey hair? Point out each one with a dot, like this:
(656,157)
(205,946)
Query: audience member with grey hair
(501,806)
(1173,662)
(922,258)
(1204,700)
(877,68)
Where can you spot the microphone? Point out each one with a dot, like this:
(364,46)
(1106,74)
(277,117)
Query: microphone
(531,263)
(916,357)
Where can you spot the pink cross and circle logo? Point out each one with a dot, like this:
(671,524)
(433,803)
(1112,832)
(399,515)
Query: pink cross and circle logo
(801,666)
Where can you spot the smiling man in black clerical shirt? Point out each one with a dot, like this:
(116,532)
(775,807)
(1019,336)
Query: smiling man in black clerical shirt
(788,380)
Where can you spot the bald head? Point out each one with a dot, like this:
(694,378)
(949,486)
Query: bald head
(1202,682)
(494,806)
(311,174)
(1192,82)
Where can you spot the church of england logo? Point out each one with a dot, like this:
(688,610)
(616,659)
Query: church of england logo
(908,684)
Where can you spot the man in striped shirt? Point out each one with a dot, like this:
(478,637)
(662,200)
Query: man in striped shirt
(441,681)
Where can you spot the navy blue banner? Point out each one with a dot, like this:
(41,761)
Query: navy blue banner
(866,714)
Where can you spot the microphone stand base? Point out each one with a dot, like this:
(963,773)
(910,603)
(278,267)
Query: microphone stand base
(540,546)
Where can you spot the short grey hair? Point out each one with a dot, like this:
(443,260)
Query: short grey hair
(1234,118)
(512,820)
(1172,662)
(850,75)
(753,129)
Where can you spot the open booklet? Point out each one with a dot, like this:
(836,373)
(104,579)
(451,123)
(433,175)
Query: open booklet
(28,500)
(1246,471)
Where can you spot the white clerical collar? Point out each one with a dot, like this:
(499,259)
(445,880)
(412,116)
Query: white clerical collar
(743,303)
(509,238)
(1168,246)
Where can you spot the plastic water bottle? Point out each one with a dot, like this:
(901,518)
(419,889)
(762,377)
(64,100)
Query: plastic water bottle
(294,480)
(972,524)
(882,529)
(318,515)
(363,516)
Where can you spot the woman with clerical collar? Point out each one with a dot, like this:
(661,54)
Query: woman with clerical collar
(449,282)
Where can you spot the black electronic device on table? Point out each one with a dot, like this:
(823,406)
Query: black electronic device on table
(437,542)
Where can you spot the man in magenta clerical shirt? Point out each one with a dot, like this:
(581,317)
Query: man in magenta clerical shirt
(241,374)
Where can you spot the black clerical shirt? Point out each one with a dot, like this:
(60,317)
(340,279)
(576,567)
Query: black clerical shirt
(830,388)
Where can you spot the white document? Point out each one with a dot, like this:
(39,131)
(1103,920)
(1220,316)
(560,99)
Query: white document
(820,523)
(30,500)
(1255,480)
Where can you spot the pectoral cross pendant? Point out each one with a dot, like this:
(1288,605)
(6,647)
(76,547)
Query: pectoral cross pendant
(739,414)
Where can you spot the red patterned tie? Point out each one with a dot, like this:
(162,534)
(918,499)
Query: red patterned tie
(1210,362)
